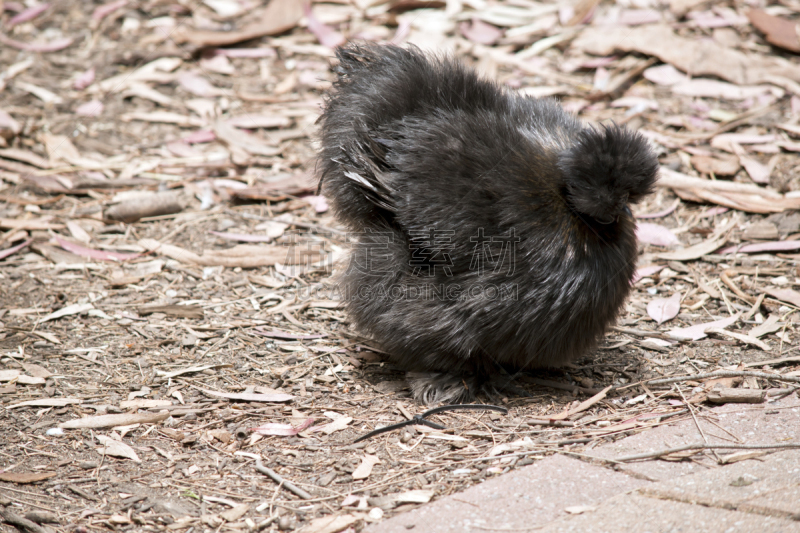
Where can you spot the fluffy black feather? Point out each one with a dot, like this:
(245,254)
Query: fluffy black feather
(492,230)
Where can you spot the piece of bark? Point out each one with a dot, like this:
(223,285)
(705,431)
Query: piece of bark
(725,395)
(165,203)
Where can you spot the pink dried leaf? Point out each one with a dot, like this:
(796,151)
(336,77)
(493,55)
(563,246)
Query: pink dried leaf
(664,75)
(774,246)
(480,32)
(84,80)
(714,211)
(646,271)
(7,122)
(698,331)
(217,63)
(319,203)
(324,34)
(403,30)
(197,85)
(91,253)
(200,136)
(663,309)
(52,46)
(757,171)
(27,14)
(282,430)
(105,10)
(14,249)
(656,234)
(352,499)
(93,108)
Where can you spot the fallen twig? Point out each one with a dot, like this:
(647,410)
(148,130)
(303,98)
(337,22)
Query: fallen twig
(277,478)
(651,455)
(723,374)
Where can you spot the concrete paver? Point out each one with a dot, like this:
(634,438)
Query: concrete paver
(639,514)
(768,423)
(756,495)
(770,486)
(535,494)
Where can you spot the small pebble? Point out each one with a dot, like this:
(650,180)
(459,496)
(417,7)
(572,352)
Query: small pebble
(285,523)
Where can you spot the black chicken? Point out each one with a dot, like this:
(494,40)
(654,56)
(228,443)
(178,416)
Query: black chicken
(491,231)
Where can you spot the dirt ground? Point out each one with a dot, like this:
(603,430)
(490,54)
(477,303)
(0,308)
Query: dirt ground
(168,264)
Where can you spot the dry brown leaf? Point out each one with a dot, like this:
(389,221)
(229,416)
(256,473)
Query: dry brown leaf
(235,513)
(331,524)
(719,166)
(47,402)
(337,425)
(116,448)
(279,16)
(785,295)
(740,337)
(663,309)
(693,56)
(741,196)
(36,370)
(779,31)
(32,224)
(237,138)
(25,477)
(109,421)
(365,468)
(698,331)
(244,256)
(770,325)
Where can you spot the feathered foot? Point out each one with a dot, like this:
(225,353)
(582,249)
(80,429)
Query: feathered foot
(429,388)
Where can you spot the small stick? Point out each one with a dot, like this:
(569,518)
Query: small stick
(22,523)
(732,286)
(553,423)
(277,478)
(724,374)
(652,455)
